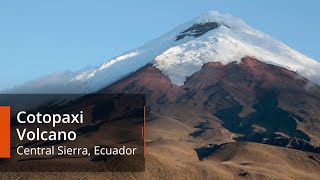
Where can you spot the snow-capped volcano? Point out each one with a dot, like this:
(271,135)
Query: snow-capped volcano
(212,37)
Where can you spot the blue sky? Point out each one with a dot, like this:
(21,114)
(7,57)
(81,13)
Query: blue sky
(40,37)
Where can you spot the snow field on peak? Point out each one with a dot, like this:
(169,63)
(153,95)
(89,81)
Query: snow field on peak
(226,45)
(231,41)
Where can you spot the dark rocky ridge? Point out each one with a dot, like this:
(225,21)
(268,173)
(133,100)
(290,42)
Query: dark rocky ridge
(197,30)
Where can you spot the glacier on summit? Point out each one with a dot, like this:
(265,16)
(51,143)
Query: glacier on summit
(179,55)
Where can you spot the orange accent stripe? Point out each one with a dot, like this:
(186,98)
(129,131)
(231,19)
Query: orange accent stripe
(144,132)
(4,132)
(142,129)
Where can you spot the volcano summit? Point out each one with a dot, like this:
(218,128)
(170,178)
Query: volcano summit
(212,37)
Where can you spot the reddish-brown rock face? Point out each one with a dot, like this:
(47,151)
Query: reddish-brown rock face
(244,96)
(148,80)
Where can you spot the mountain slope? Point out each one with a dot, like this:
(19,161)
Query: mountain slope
(256,101)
